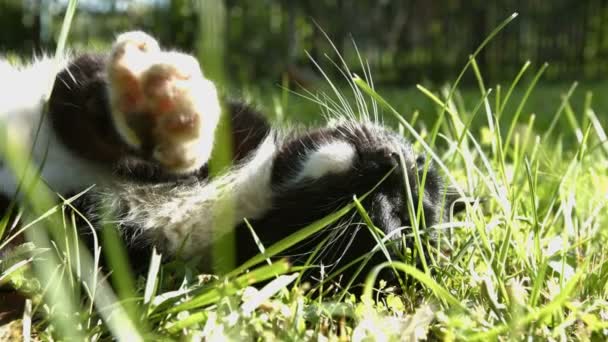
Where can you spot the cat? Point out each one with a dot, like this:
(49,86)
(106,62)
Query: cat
(140,123)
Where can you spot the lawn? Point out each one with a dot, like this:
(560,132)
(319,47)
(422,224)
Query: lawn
(525,259)
(410,102)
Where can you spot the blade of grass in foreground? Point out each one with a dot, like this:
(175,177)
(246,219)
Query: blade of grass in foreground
(472,58)
(212,19)
(536,315)
(247,307)
(518,111)
(61,294)
(214,293)
(377,235)
(440,292)
(122,279)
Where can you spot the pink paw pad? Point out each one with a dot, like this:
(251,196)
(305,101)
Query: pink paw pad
(161,99)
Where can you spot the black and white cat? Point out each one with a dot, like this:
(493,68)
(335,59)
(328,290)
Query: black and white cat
(140,124)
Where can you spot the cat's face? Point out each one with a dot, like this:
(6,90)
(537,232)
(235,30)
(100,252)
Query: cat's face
(318,173)
(352,159)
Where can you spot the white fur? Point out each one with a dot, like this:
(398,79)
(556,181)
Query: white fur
(205,96)
(21,101)
(188,218)
(334,157)
(24,88)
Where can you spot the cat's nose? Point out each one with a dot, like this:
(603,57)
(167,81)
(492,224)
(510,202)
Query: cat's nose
(385,158)
(420,161)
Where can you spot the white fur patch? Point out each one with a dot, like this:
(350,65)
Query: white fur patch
(189,218)
(335,157)
(24,88)
(20,114)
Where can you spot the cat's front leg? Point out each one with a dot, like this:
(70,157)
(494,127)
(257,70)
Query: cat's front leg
(140,108)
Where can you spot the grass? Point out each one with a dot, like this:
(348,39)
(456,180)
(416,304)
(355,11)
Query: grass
(528,260)
(413,103)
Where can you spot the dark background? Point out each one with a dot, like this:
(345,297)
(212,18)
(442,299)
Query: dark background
(405,42)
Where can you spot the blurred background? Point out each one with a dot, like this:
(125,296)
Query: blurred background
(405,42)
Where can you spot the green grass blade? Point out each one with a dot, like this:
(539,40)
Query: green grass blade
(440,292)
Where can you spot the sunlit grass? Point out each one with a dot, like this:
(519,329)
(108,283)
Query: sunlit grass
(525,259)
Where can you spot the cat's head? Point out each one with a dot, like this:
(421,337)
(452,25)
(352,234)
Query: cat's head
(322,171)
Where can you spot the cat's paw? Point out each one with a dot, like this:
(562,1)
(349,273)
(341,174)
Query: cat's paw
(161,103)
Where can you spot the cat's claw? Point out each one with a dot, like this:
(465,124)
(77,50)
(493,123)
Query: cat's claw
(162,105)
